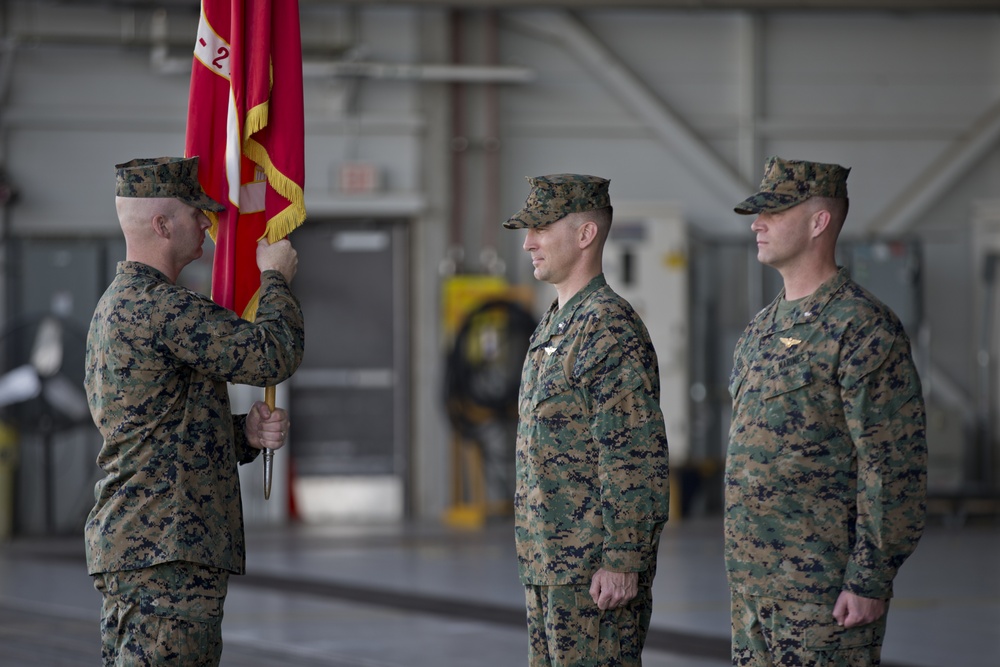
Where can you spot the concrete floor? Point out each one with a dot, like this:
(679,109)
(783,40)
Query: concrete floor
(416,596)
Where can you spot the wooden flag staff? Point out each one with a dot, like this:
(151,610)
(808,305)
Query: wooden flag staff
(268,453)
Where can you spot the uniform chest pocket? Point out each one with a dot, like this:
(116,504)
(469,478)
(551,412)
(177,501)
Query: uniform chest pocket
(736,379)
(791,375)
(550,385)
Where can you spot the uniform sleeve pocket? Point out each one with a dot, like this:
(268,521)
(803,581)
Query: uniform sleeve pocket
(625,380)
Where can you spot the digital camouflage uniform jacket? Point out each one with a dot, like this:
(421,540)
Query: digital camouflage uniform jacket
(592,486)
(158,360)
(826,469)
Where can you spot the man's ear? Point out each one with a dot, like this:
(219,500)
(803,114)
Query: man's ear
(587,233)
(161,226)
(820,222)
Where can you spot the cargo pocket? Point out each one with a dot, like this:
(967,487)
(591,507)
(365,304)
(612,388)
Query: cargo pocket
(185,628)
(833,637)
(835,646)
(190,607)
(590,632)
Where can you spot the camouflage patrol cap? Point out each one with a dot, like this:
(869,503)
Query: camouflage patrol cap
(173,177)
(790,182)
(555,196)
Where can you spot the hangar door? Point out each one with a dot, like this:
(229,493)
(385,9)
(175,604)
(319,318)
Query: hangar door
(349,403)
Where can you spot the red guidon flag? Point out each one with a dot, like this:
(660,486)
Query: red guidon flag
(246,126)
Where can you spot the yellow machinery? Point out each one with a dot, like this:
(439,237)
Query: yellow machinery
(488,324)
(8,464)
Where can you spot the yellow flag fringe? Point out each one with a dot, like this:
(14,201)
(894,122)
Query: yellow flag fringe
(292,216)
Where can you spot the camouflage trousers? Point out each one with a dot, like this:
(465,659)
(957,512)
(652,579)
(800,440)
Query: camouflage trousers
(786,633)
(566,629)
(168,614)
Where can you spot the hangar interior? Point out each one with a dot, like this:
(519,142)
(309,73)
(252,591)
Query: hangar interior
(423,118)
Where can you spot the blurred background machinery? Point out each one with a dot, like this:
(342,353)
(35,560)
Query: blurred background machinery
(42,400)
(482,379)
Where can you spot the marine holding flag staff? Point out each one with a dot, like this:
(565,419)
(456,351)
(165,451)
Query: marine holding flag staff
(167,528)
(591,454)
(827,462)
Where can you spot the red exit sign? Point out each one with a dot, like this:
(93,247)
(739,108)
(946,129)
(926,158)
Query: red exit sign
(358,178)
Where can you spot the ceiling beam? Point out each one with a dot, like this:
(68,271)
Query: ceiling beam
(635,95)
(942,174)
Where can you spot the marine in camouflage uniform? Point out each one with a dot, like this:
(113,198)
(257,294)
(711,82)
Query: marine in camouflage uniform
(167,528)
(591,453)
(826,467)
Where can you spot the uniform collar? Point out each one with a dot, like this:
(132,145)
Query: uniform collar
(810,307)
(559,319)
(138,268)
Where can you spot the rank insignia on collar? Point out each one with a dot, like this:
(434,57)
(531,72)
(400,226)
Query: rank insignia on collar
(550,350)
(789,342)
